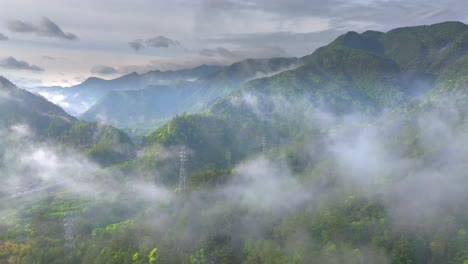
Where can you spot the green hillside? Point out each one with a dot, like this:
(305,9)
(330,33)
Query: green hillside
(48,122)
(356,156)
(154,105)
(352,74)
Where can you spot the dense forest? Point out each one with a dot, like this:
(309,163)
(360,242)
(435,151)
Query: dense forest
(357,155)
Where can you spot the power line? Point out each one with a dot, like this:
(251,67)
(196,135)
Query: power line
(23,224)
(22,215)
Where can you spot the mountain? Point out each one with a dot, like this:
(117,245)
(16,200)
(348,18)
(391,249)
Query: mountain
(366,73)
(155,104)
(356,156)
(77,99)
(369,71)
(49,122)
(20,106)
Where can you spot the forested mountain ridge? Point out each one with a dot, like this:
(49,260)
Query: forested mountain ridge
(356,156)
(158,103)
(367,73)
(46,121)
(78,98)
(374,69)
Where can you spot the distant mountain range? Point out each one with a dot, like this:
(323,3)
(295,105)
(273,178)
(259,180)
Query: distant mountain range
(149,99)
(77,99)
(158,103)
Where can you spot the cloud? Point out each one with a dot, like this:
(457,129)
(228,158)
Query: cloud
(46,57)
(247,52)
(45,27)
(219,51)
(161,42)
(104,70)
(52,166)
(21,27)
(3,37)
(136,44)
(14,64)
(296,44)
(268,178)
(24,82)
(216,56)
(302,16)
(286,7)
(156,42)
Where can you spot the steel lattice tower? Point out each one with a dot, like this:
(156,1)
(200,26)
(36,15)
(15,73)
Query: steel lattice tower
(69,239)
(183,171)
(228,158)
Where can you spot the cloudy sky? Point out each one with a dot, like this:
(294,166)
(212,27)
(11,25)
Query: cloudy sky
(62,42)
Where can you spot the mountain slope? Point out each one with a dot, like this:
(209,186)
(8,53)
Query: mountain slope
(48,122)
(339,180)
(369,69)
(366,73)
(155,104)
(79,98)
(20,106)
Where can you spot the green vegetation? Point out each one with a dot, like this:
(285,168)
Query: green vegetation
(48,122)
(157,103)
(365,162)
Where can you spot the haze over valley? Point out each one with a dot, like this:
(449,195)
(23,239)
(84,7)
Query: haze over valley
(234,131)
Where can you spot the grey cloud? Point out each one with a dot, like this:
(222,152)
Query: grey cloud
(136,44)
(3,37)
(343,14)
(49,28)
(295,44)
(284,38)
(247,52)
(104,70)
(79,78)
(219,51)
(24,82)
(21,27)
(284,7)
(45,27)
(161,42)
(48,57)
(156,42)
(14,64)
(215,56)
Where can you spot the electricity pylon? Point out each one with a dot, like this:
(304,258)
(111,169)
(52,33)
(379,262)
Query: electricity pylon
(183,170)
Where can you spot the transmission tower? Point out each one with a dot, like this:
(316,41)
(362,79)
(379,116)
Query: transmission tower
(183,171)
(228,158)
(263,143)
(69,240)
(23,223)
(22,215)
